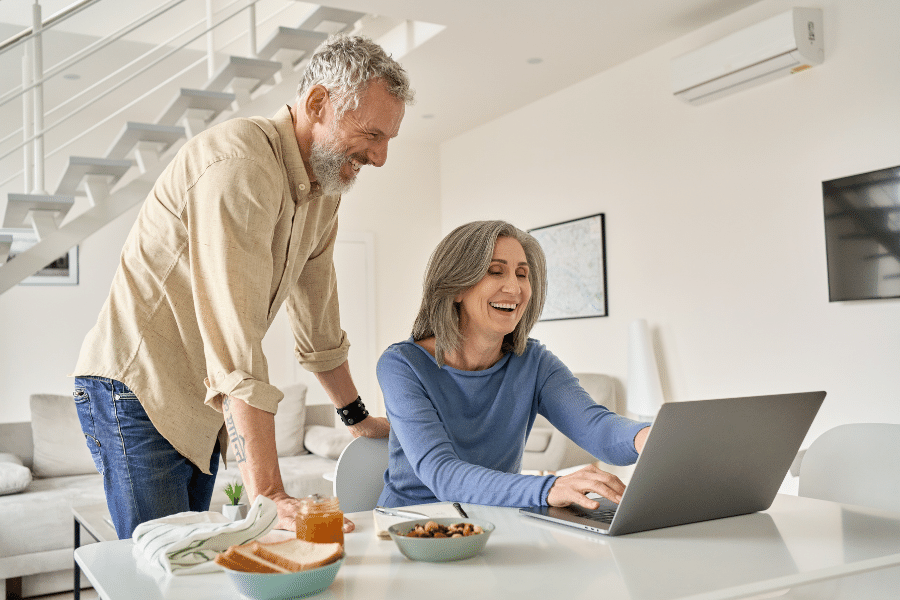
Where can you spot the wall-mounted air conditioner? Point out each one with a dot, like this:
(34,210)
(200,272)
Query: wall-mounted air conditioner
(782,45)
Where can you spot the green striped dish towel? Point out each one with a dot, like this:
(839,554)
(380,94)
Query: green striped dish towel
(187,543)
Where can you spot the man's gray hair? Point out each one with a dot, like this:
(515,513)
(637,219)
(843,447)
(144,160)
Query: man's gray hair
(345,65)
(459,262)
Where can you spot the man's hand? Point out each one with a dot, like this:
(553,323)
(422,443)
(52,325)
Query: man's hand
(571,489)
(288,508)
(373,427)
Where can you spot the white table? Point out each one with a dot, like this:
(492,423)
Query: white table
(95,520)
(799,545)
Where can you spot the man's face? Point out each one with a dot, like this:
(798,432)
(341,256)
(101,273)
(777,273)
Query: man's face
(359,138)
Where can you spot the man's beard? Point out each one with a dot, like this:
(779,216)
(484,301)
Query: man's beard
(327,160)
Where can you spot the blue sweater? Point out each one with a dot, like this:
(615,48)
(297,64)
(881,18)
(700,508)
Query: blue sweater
(460,435)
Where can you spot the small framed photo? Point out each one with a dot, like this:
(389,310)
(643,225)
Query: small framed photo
(576,268)
(62,271)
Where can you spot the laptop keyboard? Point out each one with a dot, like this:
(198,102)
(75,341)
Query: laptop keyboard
(604,515)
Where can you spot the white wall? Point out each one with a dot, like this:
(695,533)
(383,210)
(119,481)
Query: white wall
(714,213)
(41,328)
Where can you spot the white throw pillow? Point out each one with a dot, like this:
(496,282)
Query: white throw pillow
(59,445)
(14,476)
(327,442)
(290,423)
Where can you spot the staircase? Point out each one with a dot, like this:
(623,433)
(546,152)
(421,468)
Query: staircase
(37,227)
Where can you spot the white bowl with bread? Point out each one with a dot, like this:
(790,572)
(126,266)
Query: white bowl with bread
(280,570)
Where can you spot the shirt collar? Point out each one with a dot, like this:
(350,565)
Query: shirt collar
(302,189)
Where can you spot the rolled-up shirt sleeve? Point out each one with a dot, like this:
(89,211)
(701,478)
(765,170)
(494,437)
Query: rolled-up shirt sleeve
(230,223)
(314,312)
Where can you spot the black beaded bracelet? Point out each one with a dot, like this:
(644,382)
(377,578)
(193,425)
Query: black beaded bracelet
(353,413)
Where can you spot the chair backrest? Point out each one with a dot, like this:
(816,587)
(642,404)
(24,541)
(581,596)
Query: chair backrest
(854,464)
(359,475)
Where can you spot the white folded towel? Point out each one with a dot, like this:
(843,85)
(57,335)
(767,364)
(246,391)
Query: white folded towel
(187,543)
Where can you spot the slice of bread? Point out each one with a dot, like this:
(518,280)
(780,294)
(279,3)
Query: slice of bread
(242,558)
(298,555)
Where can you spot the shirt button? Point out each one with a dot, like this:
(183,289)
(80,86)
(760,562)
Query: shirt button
(302,187)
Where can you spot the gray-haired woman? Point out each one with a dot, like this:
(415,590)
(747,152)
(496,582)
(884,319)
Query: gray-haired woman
(463,392)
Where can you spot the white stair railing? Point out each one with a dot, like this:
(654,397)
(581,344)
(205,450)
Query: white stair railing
(122,177)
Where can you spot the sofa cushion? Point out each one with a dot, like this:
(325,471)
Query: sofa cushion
(14,477)
(327,442)
(40,519)
(59,445)
(290,423)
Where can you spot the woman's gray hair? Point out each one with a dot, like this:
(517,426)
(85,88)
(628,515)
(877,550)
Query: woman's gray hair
(459,262)
(344,65)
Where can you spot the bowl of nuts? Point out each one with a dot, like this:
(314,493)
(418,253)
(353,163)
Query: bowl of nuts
(441,540)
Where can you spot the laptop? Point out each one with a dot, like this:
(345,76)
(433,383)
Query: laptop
(703,460)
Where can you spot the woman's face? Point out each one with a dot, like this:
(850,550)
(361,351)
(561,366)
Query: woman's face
(495,305)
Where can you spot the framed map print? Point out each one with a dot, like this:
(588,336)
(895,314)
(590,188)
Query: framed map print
(576,268)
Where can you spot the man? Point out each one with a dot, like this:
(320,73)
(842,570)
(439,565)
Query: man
(243,219)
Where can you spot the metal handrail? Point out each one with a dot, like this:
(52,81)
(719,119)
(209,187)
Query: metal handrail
(93,48)
(59,17)
(135,74)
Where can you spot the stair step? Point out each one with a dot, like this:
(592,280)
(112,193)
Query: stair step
(292,39)
(324,16)
(5,245)
(133,133)
(244,68)
(214,102)
(54,207)
(80,166)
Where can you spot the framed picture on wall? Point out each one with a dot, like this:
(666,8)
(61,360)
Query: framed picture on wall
(62,271)
(576,268)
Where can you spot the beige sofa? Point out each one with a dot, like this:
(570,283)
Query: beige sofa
(36,525)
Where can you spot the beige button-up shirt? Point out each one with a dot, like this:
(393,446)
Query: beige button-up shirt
(228,233)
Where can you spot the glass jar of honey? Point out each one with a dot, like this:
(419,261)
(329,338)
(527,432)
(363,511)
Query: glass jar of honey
(320,520)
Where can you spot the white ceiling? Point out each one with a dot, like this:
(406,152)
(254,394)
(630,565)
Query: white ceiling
(493,56)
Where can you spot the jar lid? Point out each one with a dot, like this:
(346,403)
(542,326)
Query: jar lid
(319,499)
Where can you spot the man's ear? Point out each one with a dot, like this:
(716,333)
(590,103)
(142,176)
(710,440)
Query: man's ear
(316,104)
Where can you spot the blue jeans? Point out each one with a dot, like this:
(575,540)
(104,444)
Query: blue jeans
(144,476)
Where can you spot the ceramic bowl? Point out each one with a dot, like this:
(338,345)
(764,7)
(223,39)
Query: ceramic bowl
(440,549)
(280,586)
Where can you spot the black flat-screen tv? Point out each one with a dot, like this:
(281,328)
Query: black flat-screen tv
(862,235)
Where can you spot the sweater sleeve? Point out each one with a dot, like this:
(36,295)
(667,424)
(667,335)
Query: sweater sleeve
(605,434)
(428,448)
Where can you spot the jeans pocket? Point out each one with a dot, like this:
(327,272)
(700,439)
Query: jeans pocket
(86,417)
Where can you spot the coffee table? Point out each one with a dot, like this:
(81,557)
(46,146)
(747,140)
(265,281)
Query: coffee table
(95,520)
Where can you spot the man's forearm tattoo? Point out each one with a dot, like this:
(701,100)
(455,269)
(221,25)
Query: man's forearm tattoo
(236,439)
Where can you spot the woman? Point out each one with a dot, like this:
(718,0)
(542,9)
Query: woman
(462,393)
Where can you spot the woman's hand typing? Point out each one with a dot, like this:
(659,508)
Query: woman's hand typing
(571,489)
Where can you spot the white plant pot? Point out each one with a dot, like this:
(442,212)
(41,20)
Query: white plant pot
(235,512)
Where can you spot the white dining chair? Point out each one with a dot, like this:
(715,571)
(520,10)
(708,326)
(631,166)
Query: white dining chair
(854,464)
(359,475)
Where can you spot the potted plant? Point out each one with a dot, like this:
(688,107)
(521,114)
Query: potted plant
(234,510)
